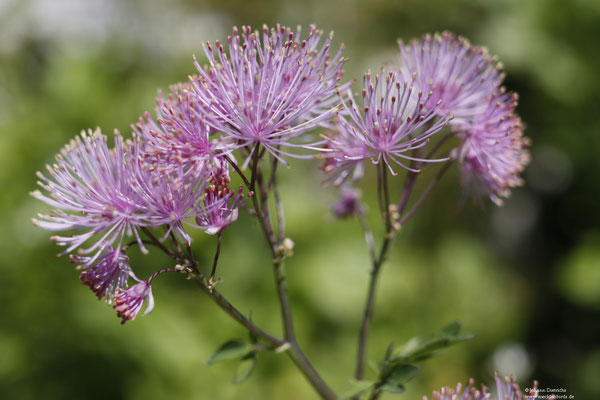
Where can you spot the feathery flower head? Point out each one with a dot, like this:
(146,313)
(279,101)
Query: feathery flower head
(180,137)
(506,390)
(91,188)
(268,87)
(128,303)
(170,195)
(461,75)
(393,122)
(344,154)
(220,206)
(109,272)
(493,151)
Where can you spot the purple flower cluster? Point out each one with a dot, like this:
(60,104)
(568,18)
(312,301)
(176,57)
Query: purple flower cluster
(266,89)
(107,194)
(441,80)
(257,95)
(468,82)
(506,389)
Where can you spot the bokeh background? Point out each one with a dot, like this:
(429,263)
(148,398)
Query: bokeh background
(525,278)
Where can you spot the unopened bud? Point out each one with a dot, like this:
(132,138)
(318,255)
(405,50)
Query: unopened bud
(288,246)
(283,348)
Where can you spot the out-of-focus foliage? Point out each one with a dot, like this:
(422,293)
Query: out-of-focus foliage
(524,278)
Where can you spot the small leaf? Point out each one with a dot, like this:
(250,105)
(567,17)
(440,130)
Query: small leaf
(419,348)
(396,375)
(252,335)
(358,387)
(229,350)
(451,329)
(393,388)
(389,352)
(245,368)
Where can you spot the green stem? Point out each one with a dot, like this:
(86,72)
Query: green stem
(216,259)
(158,244)
(233,312)
(377,263)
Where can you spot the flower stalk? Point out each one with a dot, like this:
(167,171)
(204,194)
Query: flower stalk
(377,262)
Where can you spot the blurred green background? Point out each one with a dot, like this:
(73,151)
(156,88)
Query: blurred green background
(525,278)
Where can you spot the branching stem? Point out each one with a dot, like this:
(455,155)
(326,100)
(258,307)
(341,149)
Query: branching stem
(233,312)
(278,254)
(425,194)
(135,242)
(161,246)
(378,260)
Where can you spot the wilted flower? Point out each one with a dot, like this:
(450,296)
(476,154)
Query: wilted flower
(92,189)
(109,272)
(506,390)
(393,122)
(128,303)
(348,204)
(268,91)
(493,150)
(462,76)
(219,206)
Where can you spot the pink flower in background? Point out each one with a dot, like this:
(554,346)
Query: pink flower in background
(462,76)
(493,151)
(506,389)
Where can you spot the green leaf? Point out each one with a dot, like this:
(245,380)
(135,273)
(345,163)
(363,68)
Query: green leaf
(229,350)
(422,348)
(358,387)
(245,368)
(389,352)
(395,375)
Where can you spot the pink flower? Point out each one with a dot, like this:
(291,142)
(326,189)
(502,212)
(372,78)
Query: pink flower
(128,303)
(268,87)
